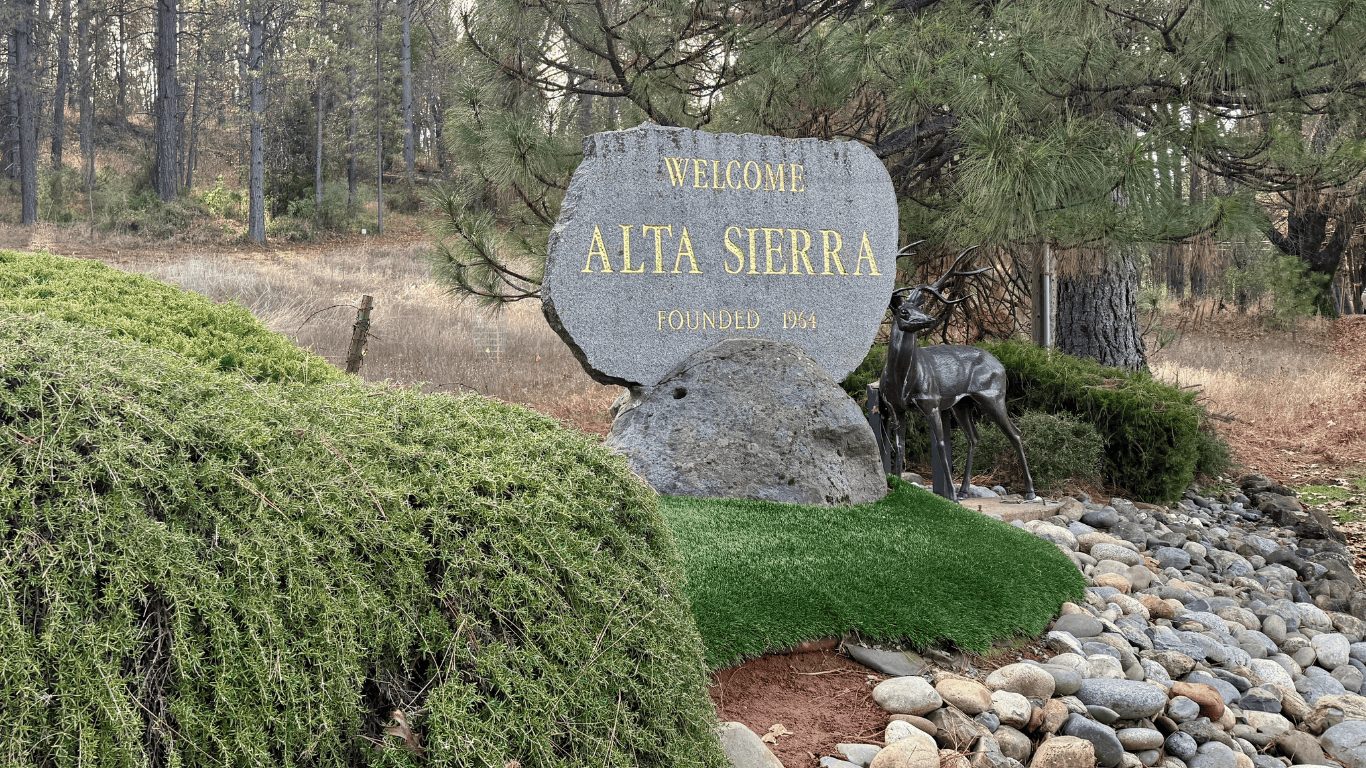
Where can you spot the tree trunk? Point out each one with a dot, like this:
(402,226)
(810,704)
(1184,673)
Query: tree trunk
(165,173)
(406,63)
(438,129)
(85,93)
(192,149)
(1098,311)
(319,118)
(121,66)
(26,106)
(352,128)
(11,150)
(379,123)
(59,91)
(256,203)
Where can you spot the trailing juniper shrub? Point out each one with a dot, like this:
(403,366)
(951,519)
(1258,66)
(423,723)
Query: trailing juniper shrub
(1062,450)
(197,569)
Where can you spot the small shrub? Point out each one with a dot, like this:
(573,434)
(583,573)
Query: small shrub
(289,229)
(868,371)
(1292,289)
(334,216)
(403,198)
(223,202)
(1212,454)
(1061,450)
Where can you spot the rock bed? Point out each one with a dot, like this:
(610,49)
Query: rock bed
(1215,634)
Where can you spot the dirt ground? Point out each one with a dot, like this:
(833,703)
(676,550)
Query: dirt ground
(807,703)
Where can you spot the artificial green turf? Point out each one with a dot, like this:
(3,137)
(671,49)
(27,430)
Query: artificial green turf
(764,576)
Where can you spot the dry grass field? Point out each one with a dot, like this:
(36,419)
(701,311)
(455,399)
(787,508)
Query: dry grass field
(421,334)
(1293,403)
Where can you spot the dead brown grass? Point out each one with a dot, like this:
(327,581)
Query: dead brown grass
(1296,400)
(421,334)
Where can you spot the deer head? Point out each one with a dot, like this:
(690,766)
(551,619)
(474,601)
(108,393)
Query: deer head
(907,312)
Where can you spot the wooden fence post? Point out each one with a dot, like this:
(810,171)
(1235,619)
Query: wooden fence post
(360,333)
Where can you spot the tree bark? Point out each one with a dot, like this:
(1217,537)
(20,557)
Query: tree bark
(406,63)
(194,118)
(379,122)
(1098,311)
(25,112)
(85,94)
(10,155)
(352,128)
(319,117)
(165,171)
(256,203)
(60,87)
(121,65)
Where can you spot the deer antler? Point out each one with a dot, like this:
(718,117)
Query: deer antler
(954,271)
(908,249)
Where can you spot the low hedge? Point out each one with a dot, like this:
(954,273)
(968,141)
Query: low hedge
(223,337)
(200,570)
(1156,440)
(1151,429)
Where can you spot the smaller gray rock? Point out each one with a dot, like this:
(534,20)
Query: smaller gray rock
(1079,625)
(1171,557)
(1182,709)
(835,762)
(1131,700)
(858,754)
(1140,739)
(744,748)
(908,695)
(1105,517)
(1181,745)
(1102,714)
(1066,682)
(1214,755)
(1109,752)
(1346,743)
(894,663)
(1028,680)
(1332,649)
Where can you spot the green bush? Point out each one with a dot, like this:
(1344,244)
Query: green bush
(1154,434)
(223,202)
(202,570)
(868,371)
(334,216)
(1151,429)
(221,336)
(1061,449)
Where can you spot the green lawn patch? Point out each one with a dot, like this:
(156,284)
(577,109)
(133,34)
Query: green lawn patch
(199,569)
(764,576)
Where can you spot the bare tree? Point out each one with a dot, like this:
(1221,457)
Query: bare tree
(406,64)
(60,89)
(85,92)
(165,173)
(23,84)
(256,107)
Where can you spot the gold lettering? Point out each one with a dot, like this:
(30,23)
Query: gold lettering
(831,242)
(626,251)
(753,251)
(801,251)
(798,184)
(731,167)
(658,230)
(597,248)
(677,325)
(685,248)
(725,321)
(716,174)
(758,176)
(697,165)
(661,319)
(676,171)
(770,249)
(735,251)
(753,318)
(780,185)
(708,318)
(866,247)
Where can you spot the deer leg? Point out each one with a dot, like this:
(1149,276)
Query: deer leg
(940,470)
(963,413)
(996,409)
(896,443)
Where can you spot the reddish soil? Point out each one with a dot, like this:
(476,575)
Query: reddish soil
(819,697)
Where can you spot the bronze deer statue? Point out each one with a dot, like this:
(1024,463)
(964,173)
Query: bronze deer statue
(941,381)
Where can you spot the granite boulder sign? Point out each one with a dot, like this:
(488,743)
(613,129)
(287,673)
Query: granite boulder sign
(730,282)
(671,240)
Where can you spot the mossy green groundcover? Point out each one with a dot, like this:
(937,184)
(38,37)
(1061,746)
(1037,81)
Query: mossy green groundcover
(224,337)
(764,576)
(197,569)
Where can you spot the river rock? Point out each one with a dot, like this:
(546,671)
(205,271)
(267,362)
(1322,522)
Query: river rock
(1109,752)
(907,695)
(1028,680)
(751,419)
(744,748)
(970,696)
(1064,752)
(908,753)
(1129,699)
(1346,743)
